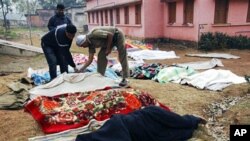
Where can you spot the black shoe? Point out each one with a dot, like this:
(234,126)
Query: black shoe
(123,83)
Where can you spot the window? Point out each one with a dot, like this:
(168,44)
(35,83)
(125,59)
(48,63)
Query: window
(126,15)
(106,16)
(188,11)
(101,18)
(97,17)
(171,12)
(117,16)
(221,9)
(111,17)
(93,17)
(248,13)
(89,17)
(138,14)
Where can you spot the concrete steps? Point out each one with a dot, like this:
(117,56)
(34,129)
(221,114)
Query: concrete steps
(12,48)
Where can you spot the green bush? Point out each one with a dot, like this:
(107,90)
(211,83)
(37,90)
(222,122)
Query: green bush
(207,42)
(221,40)
(212,41)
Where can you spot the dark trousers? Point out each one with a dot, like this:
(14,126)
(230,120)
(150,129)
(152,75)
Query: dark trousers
(54,57)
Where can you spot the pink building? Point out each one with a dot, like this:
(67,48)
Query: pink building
(174,19)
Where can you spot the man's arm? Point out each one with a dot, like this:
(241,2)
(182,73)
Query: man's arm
(51,23)
(70,58)
(91,58)
(69,21)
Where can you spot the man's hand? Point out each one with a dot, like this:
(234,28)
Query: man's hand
(75,70)
(108,51)
(79,70)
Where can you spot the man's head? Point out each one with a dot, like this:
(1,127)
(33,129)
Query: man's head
(70,31)
(60,9)
(81,41)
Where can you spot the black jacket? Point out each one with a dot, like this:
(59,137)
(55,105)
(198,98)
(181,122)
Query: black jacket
(57,39)
(58,20)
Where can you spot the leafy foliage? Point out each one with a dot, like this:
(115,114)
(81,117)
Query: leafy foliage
(24,6)
(51,4)
(210,41)
(5,9)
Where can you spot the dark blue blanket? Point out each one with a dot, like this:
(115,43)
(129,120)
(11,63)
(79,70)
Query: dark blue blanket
(149,124)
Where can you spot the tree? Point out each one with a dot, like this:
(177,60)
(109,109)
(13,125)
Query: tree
(51,4)
(22,6)
(28,7)
(5,7)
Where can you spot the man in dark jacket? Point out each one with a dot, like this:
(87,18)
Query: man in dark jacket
(56,47)
(59,18)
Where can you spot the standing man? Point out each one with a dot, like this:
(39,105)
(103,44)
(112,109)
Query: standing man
(56,47)
(105,38)
(59,18)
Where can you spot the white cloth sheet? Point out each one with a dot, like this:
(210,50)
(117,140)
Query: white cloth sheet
(215,55)
(201,65)
(70,135)
(212,79)
(71,83)
(131,64)
(152,55)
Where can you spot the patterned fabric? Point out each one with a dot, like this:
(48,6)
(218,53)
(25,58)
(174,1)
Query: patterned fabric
(138,44)
(69,111)
(81,58)
(174,74)
(40,79)
(146,71)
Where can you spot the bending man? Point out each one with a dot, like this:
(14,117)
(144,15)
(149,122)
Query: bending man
(105,38)
(56,47)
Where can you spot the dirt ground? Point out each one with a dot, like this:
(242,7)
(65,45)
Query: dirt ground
(18,125)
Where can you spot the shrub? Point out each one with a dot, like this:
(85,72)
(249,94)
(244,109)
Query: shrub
(210,41)
(207,42)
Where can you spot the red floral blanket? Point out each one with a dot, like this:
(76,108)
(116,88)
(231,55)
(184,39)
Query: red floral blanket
(68,111)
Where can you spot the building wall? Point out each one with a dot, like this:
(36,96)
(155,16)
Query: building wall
(153,21)
(35,21)
(178,30)
(45,15)
(155,14)
(131,29)
(237,15)
(204,11)
(78,16)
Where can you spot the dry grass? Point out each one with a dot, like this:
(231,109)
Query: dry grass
(19,125)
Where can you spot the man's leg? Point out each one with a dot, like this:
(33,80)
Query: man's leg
(123,55)
(51,60)
(61,62)
(102,61)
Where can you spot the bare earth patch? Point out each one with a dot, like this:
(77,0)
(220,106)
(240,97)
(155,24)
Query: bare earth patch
(19,125)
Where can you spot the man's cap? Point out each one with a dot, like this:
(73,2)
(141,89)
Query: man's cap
(60,6)
(80,39)
(70,28)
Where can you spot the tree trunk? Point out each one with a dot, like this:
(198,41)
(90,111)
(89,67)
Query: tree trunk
(28,6)
(4,19)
